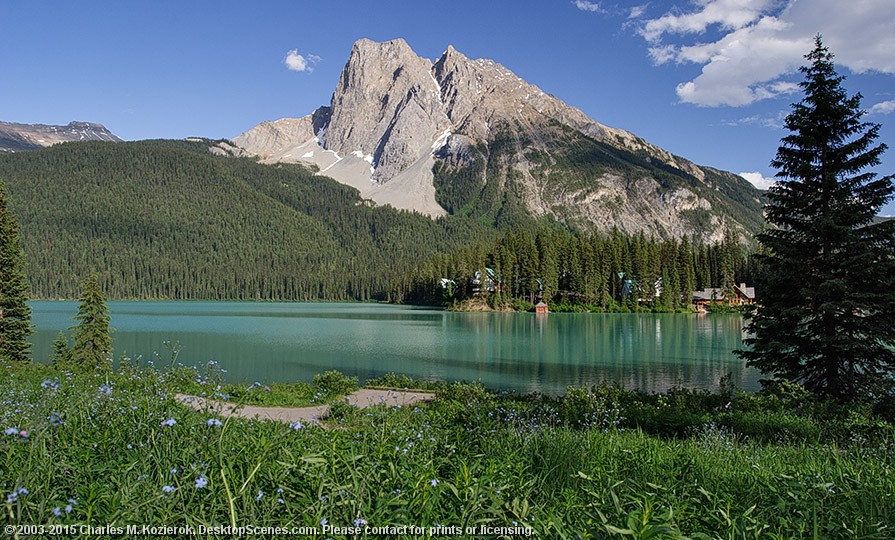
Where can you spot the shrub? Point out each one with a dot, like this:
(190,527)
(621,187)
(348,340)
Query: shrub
(335,383)
(777,427)
(465,393)
(587,409)
(665,421)
(395,380)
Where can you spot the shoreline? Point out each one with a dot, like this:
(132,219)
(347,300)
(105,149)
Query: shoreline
(479,307)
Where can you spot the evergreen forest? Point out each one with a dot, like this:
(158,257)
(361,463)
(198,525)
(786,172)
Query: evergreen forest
(169,220)
(574,271)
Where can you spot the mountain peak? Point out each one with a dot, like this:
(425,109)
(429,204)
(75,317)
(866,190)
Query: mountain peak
(367,44)
(386,106)
(451,52)
(470,135)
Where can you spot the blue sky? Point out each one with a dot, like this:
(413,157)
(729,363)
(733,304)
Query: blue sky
(709,80)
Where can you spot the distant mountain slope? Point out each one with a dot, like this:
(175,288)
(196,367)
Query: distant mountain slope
(18,137)
(167,219)
(468,137)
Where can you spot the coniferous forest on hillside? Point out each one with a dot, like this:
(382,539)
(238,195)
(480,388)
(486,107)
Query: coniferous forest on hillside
(167,219)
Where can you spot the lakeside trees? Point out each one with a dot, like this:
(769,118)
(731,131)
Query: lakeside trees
(826,310)
(92,338)
(574,270)
(15,313)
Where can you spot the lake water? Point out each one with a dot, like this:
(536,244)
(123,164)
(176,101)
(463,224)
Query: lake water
(283,342)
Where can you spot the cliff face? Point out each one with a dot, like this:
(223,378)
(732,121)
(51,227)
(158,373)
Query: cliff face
(469,136)
(19,137)
(387,105)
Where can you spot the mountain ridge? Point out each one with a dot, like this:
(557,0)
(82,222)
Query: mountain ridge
(469,136)
(15,137)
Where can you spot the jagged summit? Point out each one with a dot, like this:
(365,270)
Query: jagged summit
(18,137)
(463,135)
(386,107)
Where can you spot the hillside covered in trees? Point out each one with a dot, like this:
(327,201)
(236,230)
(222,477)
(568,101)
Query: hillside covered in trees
(167,219)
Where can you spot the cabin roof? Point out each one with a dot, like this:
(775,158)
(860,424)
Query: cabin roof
(708,294)
(748,292)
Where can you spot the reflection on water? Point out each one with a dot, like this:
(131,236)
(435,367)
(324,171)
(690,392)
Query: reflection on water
(280,342)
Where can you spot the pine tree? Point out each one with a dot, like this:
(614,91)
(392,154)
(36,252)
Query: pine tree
(92,335)
(686,272)
(61,351)
(825,318)
(548,268)
(730,254)
(15,313)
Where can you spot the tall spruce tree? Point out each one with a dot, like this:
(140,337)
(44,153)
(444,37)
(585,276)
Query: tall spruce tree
(15,313)
(92,337)
(827,306)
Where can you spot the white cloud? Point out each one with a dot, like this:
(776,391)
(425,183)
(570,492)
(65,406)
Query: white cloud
(883,107)
(297,62)
(773,120)
(764,42)
(637,12)
(728,14)
(584,5)
(662,54)
(757,180)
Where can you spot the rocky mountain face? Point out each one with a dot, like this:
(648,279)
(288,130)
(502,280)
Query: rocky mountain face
(18,137)
(464,136)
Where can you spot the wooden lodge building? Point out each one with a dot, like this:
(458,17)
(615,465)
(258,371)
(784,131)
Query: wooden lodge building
(706,297)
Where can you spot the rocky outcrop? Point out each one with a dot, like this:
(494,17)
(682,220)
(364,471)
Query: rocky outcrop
(387,106)
(458,133)
(269,139)
(18,137)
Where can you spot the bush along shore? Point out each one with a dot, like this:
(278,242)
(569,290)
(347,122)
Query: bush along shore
(118,448)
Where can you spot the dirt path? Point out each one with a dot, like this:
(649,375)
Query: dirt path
(363,398)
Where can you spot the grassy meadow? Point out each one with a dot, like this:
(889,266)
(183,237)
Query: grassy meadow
(117,449)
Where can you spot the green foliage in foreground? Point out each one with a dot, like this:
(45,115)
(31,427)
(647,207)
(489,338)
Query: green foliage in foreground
(117,448)
(208,383)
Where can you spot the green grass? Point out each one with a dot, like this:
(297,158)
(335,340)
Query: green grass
(208,382)
(596,463)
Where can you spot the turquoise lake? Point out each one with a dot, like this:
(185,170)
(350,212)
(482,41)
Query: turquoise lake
(287,342)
